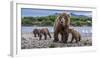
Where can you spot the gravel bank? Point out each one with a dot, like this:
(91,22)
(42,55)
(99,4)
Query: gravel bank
(28,41)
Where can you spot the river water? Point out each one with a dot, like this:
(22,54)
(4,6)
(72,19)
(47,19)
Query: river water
(84,31)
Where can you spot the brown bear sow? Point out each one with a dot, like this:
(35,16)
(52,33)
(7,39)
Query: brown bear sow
(61,26)
(75,35)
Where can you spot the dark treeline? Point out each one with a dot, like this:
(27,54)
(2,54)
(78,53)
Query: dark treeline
(49,21)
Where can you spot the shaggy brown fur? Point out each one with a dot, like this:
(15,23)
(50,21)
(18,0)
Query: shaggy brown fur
(36,32)
(61,26)
(75,35)
(40,32)
(44,32)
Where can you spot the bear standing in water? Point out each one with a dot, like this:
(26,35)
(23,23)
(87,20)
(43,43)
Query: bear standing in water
(75,35)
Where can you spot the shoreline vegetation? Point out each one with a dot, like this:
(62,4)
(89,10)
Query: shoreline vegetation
(49,20)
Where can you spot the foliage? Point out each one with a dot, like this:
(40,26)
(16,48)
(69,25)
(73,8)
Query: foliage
(49,20)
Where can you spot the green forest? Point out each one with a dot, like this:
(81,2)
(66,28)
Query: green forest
(49,21)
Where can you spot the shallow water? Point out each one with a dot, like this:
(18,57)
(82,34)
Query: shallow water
(84,31)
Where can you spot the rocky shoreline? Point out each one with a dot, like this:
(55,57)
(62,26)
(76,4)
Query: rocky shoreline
(28,41)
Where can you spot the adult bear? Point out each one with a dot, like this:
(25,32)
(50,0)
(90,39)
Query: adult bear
(61,26)
(40,32)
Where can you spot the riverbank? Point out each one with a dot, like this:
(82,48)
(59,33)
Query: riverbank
(28,41)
